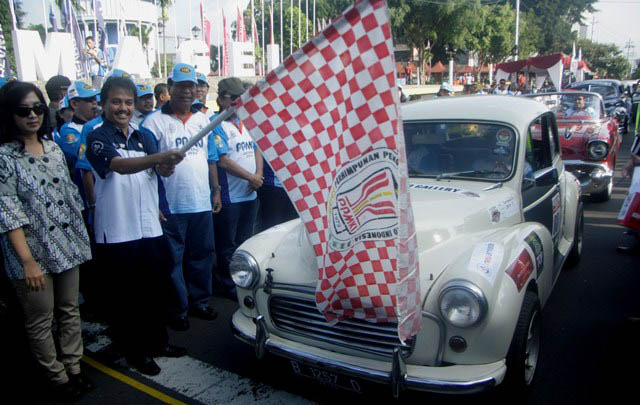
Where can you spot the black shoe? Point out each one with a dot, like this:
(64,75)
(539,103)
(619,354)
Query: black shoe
(207,313)
(179,324)
(145,365)
(82,382)
(170,351)
(67,392)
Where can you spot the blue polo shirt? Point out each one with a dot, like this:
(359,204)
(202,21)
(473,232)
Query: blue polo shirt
(82,162)
(126,204)
(69,141)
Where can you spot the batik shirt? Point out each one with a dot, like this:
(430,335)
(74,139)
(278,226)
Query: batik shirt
(37,194)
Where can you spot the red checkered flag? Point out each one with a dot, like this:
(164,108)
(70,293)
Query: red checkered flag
(328,122)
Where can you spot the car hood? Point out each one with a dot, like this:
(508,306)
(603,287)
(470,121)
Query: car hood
(450,217)
(575,136)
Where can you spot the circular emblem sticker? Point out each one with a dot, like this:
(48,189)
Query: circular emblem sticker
(504,136)
(363,202)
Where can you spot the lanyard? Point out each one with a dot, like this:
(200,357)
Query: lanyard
(237,124)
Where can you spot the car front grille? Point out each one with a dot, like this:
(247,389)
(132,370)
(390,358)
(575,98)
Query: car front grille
(300,316)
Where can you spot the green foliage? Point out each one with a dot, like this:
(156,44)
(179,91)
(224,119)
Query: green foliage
(605,59)
(146,31)
(154,70)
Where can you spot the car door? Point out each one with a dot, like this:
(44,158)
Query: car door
(542,196)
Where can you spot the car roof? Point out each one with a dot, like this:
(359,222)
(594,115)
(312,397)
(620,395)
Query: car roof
(605,82)
(517,111)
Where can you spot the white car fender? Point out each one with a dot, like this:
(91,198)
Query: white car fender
(489,265)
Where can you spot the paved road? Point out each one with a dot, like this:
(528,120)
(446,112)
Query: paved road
(590,338)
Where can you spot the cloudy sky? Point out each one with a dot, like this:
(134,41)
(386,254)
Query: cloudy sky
(616,21)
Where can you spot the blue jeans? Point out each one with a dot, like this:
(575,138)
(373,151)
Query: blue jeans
(234,224)
(190,240)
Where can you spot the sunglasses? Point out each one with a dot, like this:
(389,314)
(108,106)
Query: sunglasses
(23,112)
(233,98)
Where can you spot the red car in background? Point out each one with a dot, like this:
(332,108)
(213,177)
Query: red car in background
(589,139)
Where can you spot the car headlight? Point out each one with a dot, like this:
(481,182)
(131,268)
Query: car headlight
(462,303)
(598,150)
(244,269)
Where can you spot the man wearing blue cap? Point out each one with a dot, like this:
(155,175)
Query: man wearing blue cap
(189,227)
(202,90)
(144,103)
(96,62)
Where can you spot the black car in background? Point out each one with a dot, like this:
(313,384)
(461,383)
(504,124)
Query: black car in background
(617,99)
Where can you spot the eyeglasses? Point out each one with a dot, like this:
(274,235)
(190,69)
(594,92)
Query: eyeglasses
(23,112)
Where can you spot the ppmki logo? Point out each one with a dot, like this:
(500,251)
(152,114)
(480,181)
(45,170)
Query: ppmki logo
(364,200)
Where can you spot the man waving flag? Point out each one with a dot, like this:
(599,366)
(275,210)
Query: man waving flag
(328,122)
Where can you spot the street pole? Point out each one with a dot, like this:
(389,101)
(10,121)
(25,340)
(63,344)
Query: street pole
(593,25)
(517,26)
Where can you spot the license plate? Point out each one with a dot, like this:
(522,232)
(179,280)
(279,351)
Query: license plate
(326,378)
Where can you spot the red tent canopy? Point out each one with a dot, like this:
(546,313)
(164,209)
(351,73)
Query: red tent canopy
(540,62)
(438,68)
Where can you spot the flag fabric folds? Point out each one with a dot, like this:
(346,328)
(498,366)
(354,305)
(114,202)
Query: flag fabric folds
(102,41)
(241,34)
(52,18)
(225,46)
(5,69)
(328,122)
(78,39)
(206,26)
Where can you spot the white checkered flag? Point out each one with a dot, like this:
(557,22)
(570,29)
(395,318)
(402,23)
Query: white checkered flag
(328,122)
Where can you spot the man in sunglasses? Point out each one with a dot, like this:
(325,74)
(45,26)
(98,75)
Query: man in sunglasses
(188,228)
(240,175)
(144,103)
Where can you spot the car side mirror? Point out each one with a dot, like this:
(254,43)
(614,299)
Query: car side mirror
(546,177)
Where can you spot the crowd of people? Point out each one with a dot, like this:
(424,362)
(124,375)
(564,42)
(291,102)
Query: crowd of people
(97,197)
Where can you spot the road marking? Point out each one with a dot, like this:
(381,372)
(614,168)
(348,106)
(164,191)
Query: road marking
(599,214)
(191,377)
(132,382)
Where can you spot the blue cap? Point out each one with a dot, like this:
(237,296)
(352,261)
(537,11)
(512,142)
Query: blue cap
(183,72)
(64,103)
(80,89)
(143,89)
(202,78)
(118,73)
(5,80)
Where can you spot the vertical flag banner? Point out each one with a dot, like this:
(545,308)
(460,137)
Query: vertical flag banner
(65,14)
(52,18)
(78,39)
(206,27)
(241,34)
(225,49)
(4,56)
(328,122)
(102,44)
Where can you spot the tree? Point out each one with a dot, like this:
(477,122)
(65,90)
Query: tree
(40,29)
(164,17)
(605,59)
(491,34)
(146,32)
(7,27)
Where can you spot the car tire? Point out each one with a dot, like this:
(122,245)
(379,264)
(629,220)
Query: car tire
(604,195)
(523,355)
(576,250)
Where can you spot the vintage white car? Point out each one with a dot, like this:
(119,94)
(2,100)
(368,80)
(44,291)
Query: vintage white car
(497,216)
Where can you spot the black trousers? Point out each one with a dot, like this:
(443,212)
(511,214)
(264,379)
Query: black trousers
(275,207)
(136,283)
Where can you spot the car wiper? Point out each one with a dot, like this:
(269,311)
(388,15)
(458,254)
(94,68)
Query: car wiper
(467,173)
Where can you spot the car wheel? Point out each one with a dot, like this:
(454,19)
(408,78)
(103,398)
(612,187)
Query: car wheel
(604,195)
(522,358)
(576,250)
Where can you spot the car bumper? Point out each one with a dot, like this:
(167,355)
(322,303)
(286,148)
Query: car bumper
(593,177)
(466,379)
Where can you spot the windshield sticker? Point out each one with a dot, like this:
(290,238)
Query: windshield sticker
(503,210)
(534,242)
(521,269)
(363,202)
(486,260)
(502,151)
(503,138)
(444,189)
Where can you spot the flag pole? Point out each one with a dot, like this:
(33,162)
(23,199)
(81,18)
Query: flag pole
(219,47)
(299,23)
(208,128)
(281,32)
(262,19)
(14,20)
(306,20)
(291,27)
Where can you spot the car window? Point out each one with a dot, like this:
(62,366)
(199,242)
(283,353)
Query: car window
(538,149)
(483,151)
(553,135)
(572,105)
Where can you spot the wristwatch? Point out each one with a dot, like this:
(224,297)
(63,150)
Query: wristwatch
(216,188)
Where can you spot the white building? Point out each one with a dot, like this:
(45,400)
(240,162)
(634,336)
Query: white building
(118,14)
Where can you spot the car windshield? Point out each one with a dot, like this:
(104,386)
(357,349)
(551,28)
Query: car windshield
(454,149)
(603,90)
(572,106)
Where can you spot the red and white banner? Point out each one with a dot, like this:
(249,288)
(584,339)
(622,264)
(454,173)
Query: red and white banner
(241,34)
(225,46)
(206,27)
(629,215)
(328,122)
